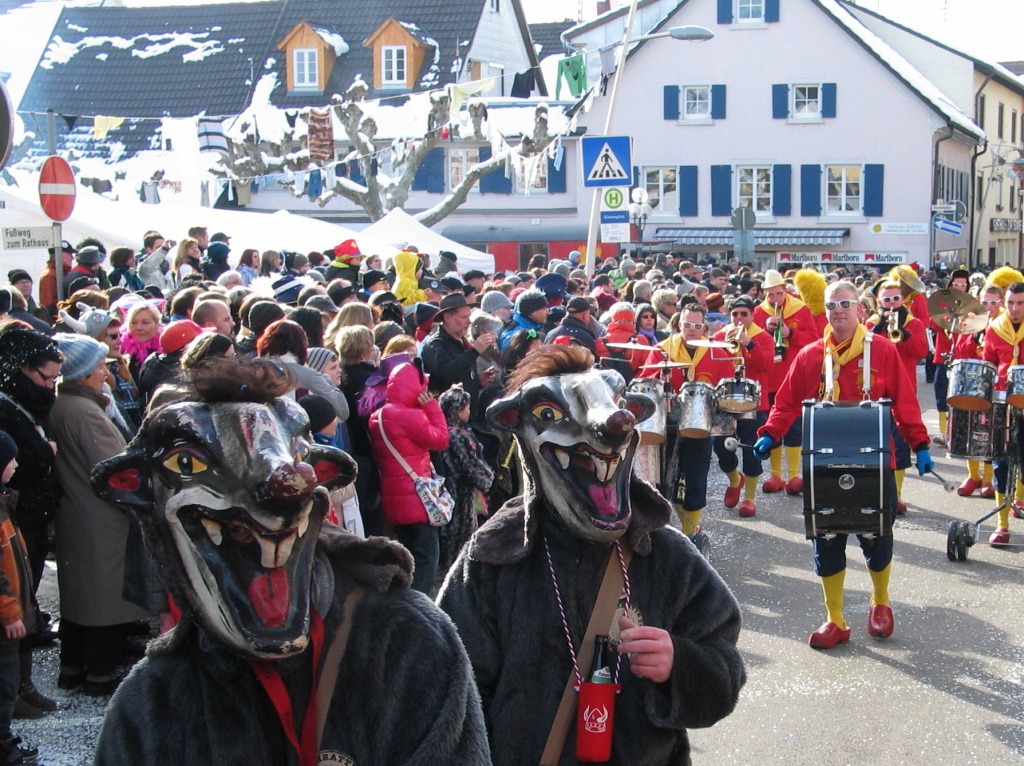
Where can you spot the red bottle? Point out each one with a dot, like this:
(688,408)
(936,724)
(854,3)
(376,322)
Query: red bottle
(595,710)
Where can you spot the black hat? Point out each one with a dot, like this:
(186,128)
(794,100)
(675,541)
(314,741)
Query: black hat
(372,277)
(381,297)
(473,274)
(452,284)
(89,255)
(320,411)
(220,237)
(432,284)
(80,283)
(16,275)
(450,303)
(449,255)
(742,302)
(65,246)
(322,303)
(262,314)
(8,450)
(530,301)
(578,305)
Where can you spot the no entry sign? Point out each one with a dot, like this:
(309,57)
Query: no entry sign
(57,189)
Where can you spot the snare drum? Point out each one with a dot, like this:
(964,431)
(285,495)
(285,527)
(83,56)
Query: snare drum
(846,460)
(652,429)
(1015,386)
(970,384)
(738,394)
(696,401)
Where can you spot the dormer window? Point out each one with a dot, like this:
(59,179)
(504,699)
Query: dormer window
(394,66)
(304,67)
(749,10)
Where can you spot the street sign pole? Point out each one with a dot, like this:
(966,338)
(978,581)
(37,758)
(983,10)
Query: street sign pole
(58,255)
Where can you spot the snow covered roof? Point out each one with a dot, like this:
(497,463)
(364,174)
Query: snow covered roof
(332,38)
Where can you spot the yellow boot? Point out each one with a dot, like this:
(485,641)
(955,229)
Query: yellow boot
(835,630)
(880,621)
(901,507)
(795,483)
(690,520)
(748,507)
(973,480)
(1002,534)
(774,483)
(940,439)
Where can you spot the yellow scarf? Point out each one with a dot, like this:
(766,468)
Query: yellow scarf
(677,351)
(1003,327)
(839,359)
(790,306)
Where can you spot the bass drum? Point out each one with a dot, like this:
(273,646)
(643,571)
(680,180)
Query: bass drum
(652,429)
(846,468)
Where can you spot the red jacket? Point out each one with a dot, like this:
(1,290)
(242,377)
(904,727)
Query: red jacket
(1000,353)
(413,431)
(711,368)
(803,331)
(758,361)
(625,332)
(913,349)
(888,381)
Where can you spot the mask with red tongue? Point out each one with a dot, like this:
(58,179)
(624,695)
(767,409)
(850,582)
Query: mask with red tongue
(269,594)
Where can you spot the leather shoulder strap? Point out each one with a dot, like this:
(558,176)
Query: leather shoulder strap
(332,660)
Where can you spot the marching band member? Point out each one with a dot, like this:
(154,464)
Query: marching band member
(912,289)
(844,340)
(791,325)
(972,346)
(943,348)
(1003,340)
(757,348)
(907,332)
(704,366)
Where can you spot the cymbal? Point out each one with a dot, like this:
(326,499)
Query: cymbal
(948,303)
(702,343)
(665,366)
(630,346)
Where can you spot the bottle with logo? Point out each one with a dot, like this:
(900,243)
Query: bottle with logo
(595,713)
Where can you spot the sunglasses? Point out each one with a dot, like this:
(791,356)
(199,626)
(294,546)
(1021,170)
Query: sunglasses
(692,325)
(891,298)
(845,304)
(990,303)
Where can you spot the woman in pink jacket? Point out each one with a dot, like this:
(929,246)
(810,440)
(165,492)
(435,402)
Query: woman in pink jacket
(414,425)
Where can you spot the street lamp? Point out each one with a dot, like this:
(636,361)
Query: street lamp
(639,212)
(688,32)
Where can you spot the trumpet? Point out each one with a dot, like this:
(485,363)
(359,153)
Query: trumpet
(780,342)
(732,334)
(893,327)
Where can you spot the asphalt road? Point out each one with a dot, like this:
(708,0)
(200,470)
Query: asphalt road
(946,688)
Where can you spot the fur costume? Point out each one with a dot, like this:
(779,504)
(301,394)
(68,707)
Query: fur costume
(1004,276)
(811,285)
(501,597)
(226,491)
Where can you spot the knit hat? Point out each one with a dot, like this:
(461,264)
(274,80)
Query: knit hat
(494,300)
(178,334)
(318,357)
(715,301)
(746,285)
(575,256)
(626,265)
(448,255)
(287,288)
(322,303)
(16,275)
(564,268)
(372,277)
(529,301)
(552,285)
(89,255)
(453,284)
(262,314)
(81,354)
(346,252)
(525,276)
(217,251)
(320,411)
(91,321)
(474,274)
(17,346)
(8,450)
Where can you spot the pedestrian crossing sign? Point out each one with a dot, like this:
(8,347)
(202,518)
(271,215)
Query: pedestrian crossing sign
(607,161)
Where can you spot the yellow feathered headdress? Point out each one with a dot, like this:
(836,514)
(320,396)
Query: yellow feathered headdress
(1004,276)
(811,285)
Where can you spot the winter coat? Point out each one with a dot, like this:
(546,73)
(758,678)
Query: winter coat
(214,267)
(517,323)
(157,370)
(449,360)
(467,477)
(573,330)
(123,273)
(90,534)
(155,270)
(413,431)
(404,694)
(248,274)
(17,601)
(314,382)
(36,478)
(500,596)
(406,288)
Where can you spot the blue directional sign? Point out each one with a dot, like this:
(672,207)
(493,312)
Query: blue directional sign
(607,161)
(950,227)
(614,216)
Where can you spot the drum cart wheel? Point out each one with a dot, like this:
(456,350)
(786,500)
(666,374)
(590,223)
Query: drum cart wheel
(959,539)
(703,543)
(952,535)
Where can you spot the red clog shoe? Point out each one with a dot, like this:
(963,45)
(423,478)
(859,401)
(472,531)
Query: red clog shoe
(988,492)
(901,508)
(1017,509)
(880,621)
(828,636)
(747,508)
(1000,537)
(795,486)
(732,494)
(968,487)
(773,484)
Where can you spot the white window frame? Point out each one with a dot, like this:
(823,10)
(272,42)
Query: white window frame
(459,161)
(697,95)
(303,61)
(539,184)
(394,80)
(800,99)
(663,202)
(754,10)
(760,174)
(844,196)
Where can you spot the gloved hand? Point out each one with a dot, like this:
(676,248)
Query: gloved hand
(763,446)
(924,462)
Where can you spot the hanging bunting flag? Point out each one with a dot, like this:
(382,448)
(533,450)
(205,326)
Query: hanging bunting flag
(102,125)
(574,71)
(320,138)
(70,120)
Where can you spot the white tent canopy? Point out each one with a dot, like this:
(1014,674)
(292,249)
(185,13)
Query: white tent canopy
(124,223)
(400,229)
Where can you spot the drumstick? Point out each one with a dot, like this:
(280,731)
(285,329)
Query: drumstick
(949,486)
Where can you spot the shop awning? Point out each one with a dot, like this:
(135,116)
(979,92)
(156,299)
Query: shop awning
(694,237)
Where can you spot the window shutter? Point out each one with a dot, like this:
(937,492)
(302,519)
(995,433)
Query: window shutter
(771,11)
(828,99)
(721,190)
(782,195)
(636,179)
(810,190)
(687,180)
(430,174)
(671,102)
(556,177)
(780,101)
(717,102)
(874,183)
(725,11)
(495,181)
